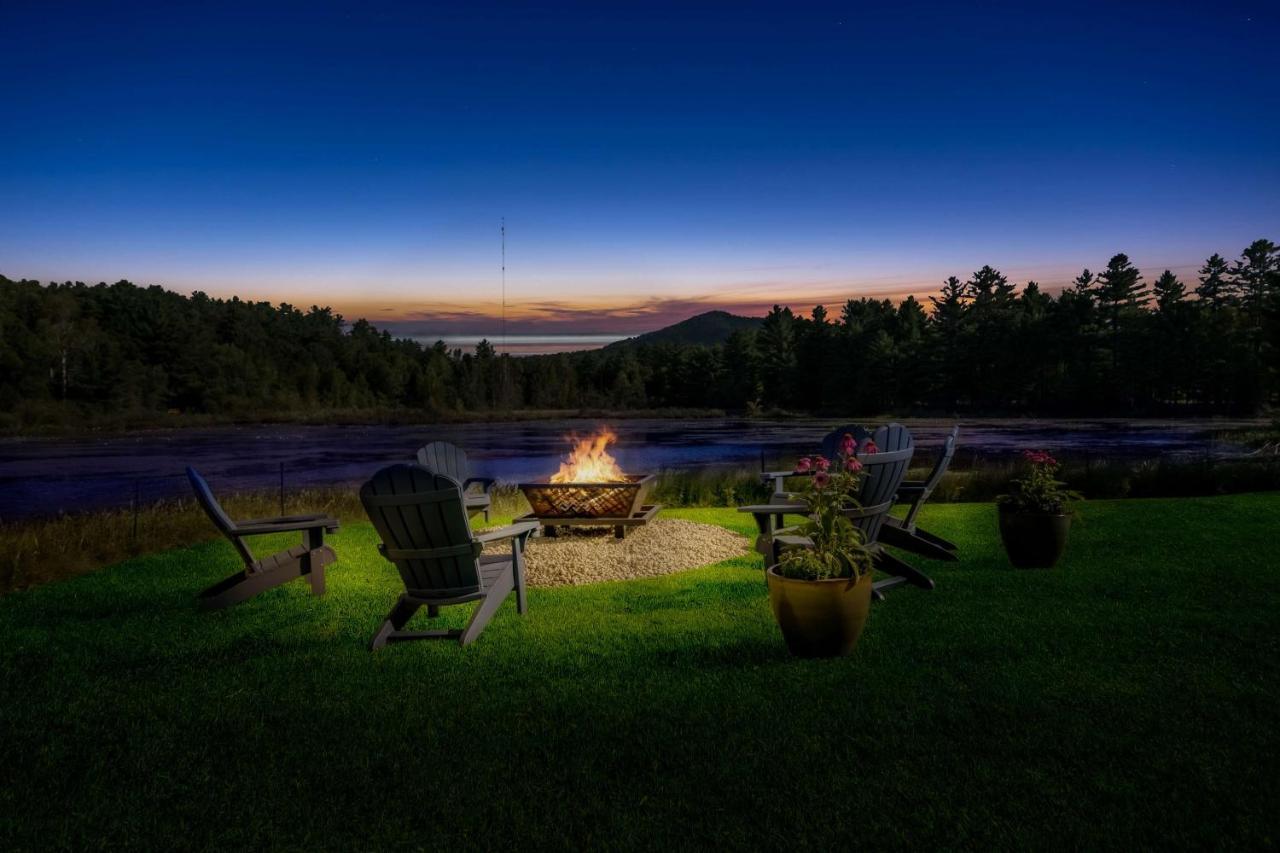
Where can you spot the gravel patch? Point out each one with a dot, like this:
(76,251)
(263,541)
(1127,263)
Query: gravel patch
(586,554)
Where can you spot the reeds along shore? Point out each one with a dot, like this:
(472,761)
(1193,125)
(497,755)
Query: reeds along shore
(37,551)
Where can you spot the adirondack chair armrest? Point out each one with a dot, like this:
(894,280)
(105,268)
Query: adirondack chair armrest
(911,486)
(485,483)
(284,519)
(776,509)
(768,517)
(523,528)
(793,540)
(777,477)
(773,475)
(284,524)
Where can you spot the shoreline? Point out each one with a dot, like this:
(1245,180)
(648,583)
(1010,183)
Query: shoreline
(342,417)
(1223,426)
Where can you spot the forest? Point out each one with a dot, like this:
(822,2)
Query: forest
(1110,343)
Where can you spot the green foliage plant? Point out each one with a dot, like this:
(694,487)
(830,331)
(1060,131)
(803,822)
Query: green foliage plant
(1038,491)
(838,549)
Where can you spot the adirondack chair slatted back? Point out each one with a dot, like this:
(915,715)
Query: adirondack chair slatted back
(935,476)
(944,461)
(884,471)
(441,457)
(219,517)
(893,436)
(831,441)
(425,533)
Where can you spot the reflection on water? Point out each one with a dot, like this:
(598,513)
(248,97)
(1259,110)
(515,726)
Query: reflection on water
(45,476)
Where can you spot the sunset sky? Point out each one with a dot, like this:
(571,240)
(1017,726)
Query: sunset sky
(651,161)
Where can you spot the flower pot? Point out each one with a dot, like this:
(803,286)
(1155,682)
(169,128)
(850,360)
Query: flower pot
(1034,540)
(820,618)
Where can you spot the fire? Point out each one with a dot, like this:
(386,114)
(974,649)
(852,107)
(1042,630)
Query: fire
(589,462)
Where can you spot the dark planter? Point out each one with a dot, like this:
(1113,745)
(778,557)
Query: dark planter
(1034,540)
(820,619)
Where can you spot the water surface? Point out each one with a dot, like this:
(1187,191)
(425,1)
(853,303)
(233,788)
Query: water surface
(47,476)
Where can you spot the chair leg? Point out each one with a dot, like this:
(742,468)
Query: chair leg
(517,569)
(433,610)
(396,619)
(879,588)
(244,585)
(488,606)
(316,558)
(317,579)
(891,565)
(937,540)
(915,542)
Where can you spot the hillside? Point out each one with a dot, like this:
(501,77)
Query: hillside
(713,327)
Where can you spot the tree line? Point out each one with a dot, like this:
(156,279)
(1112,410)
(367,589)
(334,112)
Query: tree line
(1110,343)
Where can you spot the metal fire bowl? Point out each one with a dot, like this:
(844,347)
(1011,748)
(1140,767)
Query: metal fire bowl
(588,500)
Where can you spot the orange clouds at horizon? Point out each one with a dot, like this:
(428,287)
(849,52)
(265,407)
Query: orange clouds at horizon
(591,314)
(629,314)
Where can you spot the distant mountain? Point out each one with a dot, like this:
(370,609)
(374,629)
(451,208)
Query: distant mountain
(713,327)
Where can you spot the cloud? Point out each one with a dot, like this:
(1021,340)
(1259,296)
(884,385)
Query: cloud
(626,315)
(609,315)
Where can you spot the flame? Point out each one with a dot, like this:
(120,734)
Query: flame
(589,462)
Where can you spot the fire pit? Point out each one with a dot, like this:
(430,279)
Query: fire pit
(590,489)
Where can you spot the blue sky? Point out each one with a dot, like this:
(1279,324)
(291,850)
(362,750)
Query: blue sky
(651,160)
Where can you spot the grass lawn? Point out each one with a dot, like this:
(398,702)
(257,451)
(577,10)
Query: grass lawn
(1128,699)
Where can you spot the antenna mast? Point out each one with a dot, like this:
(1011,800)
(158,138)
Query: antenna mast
(504,282)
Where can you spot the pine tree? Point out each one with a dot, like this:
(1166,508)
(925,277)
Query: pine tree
(990,318)
(814,381)
(948,323)
(1257,279)
(778,355)
(1120,286)
(1215,288)
(1029,349)
(1120,293)
(1169,292)
(1255,276)
(1082,285)
(955,296)
(742,368)
(1170,332)
(990,288)
(1034,300)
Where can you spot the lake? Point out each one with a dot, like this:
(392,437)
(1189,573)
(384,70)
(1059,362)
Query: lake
(46,476)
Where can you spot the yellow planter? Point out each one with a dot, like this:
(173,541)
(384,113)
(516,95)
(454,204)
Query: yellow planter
(820,618)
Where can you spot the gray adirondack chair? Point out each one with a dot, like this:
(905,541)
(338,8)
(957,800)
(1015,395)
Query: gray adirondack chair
(903,532)
(306,560)
(883,473)
(422,520)
(830,447)
(882,484)
(441,457)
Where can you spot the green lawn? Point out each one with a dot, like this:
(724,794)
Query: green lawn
(1127,699)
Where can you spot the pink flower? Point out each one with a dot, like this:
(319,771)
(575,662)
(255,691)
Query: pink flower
(847,445)
(1039,457)
(822,463)
(803,465)
(869,446)
(821,479)
(852,465)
